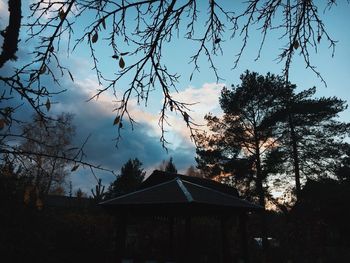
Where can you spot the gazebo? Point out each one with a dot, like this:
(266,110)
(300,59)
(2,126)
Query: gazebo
(176,200)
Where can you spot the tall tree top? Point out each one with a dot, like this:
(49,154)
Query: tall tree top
(170,166)
(130,177)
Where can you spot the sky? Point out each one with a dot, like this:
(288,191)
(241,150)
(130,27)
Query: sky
(95,118)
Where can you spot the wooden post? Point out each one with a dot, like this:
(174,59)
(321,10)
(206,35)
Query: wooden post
(120,238)
(171,237)
(243,236)
(187,255)
(224,240)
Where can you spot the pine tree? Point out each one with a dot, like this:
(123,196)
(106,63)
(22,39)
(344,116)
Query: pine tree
(312,144)
(170,166)
(238,143)
(130,177)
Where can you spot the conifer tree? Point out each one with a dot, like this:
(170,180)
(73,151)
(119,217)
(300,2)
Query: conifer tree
(239,142)
(312,144)
(130,177)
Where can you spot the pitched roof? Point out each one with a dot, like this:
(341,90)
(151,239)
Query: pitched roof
(158,177)
(180,194)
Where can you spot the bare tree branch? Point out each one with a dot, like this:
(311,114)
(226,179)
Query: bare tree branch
(136,33)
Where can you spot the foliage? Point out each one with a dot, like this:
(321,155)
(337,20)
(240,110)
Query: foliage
(168,166)
(12,182)
(312,144)
(130,177)
(238,142)
(342,171)
(272,130)
(51,140)
(80,194)
(192,171)
(98,193)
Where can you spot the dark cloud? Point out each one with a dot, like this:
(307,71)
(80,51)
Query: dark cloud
(95,119)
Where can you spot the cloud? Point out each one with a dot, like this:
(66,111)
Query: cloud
(52,9)
(204,99)
(4,15)
(96,118)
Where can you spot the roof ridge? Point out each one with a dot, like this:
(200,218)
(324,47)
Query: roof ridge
(224,194)
(137,191)
(185,191)
(189,177)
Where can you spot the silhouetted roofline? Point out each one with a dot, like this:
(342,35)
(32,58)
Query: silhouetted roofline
(179,195)
(161,176)
(110,201)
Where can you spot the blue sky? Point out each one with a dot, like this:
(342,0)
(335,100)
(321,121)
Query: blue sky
(96,117)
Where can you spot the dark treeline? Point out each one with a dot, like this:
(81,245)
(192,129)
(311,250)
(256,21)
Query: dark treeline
(61,226)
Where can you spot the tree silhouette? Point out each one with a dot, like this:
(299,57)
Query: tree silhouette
(192,171)
(80,194)
(313,139)
(12,181)
(168,166)
(130,177)
(50,140)
(240,141)
(342,172)
(98,192)
(11,34)
(44,139)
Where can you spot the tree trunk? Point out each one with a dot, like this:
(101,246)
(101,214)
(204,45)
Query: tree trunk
(49,183)
(295,156)
(260,189)
(11,34)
